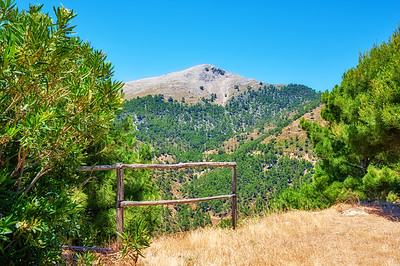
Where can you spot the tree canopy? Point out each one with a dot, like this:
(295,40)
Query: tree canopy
(56,96)
(57,102)
(361,144)
(364,110)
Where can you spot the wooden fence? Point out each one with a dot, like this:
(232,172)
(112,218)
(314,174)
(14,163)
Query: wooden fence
(119,167)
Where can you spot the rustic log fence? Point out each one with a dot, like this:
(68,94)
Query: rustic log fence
(121,204)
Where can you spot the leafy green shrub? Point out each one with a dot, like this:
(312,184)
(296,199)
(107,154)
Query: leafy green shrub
(378,183)
(392,197)
(225,223)
(307,197)
(35,228)
(56,103)
(87,258)
(57,98)
(134,241)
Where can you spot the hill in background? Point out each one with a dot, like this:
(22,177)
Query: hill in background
(205,131)
(192,84)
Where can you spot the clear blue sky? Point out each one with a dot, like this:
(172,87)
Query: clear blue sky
(306,42)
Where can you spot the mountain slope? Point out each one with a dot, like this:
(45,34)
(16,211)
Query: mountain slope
(192,84)
(182,132)
(205,126)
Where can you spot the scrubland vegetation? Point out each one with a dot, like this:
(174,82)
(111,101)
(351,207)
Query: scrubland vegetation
(61,109)
(58,103)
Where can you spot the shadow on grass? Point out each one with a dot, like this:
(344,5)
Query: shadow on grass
(388,210)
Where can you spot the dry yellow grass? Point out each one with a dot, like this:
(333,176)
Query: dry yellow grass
(341,235)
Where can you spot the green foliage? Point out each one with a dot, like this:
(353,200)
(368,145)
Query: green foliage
(364,109)
(392,197)
(57,99)
(99,194)
(134,241)
(57,94)
(304,198)
(87,258)
(178,128)
(378,183)
(360,148)
(35,228)
(225,223)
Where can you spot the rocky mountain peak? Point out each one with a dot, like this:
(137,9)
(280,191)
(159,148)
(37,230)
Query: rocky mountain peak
(192,84)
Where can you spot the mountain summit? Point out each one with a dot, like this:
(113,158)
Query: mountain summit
(192,84)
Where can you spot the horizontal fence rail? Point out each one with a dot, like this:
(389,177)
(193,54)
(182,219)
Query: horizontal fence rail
(156,166)
(170,202)
(119,167)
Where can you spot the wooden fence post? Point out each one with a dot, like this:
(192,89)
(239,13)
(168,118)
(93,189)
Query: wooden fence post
(234,198)
(120,209)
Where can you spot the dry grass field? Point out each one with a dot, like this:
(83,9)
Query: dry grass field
(341,235)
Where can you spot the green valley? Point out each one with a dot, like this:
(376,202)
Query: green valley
(181,132)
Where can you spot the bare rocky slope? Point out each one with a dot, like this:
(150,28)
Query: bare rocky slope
(192,84)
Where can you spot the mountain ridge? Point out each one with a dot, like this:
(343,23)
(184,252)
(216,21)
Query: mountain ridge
(193,84)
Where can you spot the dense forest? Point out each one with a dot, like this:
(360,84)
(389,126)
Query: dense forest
(178,128)
(263,173)
(186,131)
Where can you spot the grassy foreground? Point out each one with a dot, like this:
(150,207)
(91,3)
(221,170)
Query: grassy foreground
(341,235)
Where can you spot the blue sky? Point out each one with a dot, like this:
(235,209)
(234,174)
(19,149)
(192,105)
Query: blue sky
(280,42)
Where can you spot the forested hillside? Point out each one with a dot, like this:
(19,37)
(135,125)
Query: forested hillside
(185,132)
(175,127)
(263,173)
